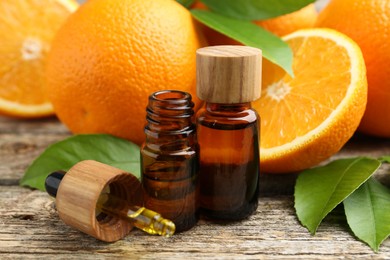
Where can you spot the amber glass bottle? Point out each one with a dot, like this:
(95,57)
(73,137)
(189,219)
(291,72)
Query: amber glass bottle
(170,160)
(228,79)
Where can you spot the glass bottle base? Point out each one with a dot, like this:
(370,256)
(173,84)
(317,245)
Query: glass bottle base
(237,214)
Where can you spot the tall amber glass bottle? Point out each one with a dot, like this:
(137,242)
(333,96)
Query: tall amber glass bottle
(228,79)
(169,159)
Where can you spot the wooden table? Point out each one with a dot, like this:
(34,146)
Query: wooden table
(30,227)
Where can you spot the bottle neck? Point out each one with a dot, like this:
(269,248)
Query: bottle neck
(169,120)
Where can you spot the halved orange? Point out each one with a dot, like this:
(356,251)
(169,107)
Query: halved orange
(26,30)
(308,118)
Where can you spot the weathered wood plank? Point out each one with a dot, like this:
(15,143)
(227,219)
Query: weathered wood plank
(20,147)
(18,151)
(30,227)
(34,127)
(21,141)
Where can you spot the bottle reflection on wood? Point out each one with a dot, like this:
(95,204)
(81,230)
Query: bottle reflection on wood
(169,159)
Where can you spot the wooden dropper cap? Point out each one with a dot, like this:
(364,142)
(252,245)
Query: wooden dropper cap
(80,190)
(228,74)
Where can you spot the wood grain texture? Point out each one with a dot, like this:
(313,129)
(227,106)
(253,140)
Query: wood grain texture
(228,74)
(23,140)
(79,193)
(30,226)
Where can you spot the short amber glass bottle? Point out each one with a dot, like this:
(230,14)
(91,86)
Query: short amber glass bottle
(228,79)
(169,159)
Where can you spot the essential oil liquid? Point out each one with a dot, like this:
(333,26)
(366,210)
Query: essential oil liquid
(229,171)
(170,187)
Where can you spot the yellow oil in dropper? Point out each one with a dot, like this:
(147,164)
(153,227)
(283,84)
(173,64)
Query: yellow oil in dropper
(142,218)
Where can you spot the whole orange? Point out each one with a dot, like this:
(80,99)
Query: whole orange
(367,22)
(281,25)
(110,55)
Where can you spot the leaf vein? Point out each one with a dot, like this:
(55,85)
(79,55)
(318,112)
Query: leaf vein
(371,211)
(337,185)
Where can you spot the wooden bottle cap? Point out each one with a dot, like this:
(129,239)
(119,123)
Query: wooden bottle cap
(80,190)
(228,74)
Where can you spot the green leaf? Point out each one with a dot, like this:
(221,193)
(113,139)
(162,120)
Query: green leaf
(319,190)
(385,159)
(367,211)
(64,154)
(273,48)
(186,3)
(255,9)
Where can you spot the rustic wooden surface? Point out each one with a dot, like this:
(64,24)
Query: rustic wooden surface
(30,228)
